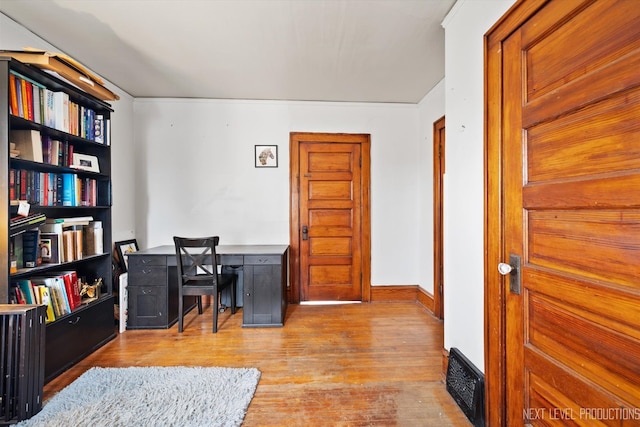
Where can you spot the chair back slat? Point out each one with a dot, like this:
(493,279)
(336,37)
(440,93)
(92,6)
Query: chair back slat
(197,265)
(197,258)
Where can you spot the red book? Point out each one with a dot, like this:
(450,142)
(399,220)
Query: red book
(28,91)
(23,184)
(72,287)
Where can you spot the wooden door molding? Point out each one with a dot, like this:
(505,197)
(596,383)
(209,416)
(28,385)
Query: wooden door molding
(295,139)
(438,207)
(495,293)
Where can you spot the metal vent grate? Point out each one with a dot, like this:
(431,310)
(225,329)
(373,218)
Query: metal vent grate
(465,383)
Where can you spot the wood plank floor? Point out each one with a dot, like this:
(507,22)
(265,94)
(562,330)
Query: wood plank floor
(377,364)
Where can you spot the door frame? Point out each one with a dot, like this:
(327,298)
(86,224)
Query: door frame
(439,144)
(495,317)
(294,205)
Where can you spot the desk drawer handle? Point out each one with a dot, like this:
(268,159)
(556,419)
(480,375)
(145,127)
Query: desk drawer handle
(147,291)
(147,271)
(74,321)
(263,260)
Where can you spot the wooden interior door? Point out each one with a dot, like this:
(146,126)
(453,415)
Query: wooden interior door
(332,201)
(567,152)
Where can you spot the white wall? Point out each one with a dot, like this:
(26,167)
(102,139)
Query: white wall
(431,109)
(465,26)
(15,37)
(196,174)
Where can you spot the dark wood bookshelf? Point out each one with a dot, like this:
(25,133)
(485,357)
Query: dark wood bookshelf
(72,336)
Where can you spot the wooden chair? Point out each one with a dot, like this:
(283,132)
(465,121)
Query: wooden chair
(198,275)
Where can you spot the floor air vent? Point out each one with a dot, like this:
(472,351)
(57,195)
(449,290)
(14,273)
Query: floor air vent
(465,383)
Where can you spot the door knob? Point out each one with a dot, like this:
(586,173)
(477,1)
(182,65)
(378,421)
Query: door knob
(504,268)
(305,232)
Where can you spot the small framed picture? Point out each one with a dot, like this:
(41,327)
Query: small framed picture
(123,248)
(85,162)
(266,156)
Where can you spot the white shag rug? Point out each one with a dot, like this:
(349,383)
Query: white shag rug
(151,396)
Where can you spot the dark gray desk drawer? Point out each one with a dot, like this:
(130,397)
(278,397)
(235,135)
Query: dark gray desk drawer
(148,276)
(262,259)
(141,261)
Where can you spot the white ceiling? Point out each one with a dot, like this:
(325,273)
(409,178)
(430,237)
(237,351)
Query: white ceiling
(313,50)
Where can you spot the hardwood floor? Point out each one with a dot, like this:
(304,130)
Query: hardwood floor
(377,364)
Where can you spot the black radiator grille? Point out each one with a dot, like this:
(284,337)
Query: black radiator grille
(465,383)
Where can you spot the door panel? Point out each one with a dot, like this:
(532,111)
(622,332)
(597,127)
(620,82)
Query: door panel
(330,208)
(330,226)
(572,211)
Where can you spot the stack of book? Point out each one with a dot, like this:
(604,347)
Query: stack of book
(20,224)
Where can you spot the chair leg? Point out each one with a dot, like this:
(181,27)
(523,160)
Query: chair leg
(233,295)
(199,298)
(180,312)
(215,311)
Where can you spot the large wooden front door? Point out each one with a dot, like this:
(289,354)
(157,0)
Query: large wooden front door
(332,201)
(565,144)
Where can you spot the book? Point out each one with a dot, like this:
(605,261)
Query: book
(61,111)
(29,143)
(13,96)
(61,293)
(78,242)
(45,299)
(72,288)
(69,189)
(18,297)
(68,241)
(93,235)
(98,129)
(27,290)
(67,222)
(31,256)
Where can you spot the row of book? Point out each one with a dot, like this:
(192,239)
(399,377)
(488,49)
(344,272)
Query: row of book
(60,292)
(57,242)
(33,101)
(52,189)
(30,145)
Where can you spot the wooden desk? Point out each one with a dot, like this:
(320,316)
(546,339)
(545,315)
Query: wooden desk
(153,285)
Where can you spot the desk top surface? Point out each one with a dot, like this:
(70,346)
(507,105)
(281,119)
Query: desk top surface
(221,250)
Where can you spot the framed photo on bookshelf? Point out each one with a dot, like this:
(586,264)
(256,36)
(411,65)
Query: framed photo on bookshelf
(123,248)
(266,156)
(85,162)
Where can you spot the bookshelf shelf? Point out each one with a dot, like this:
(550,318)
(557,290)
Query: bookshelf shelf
(55,189)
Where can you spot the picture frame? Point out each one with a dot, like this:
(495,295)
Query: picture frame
(85,162)
(266,156)
(123,248)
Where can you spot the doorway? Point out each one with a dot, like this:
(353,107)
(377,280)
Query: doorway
(330,217)
(562,214)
